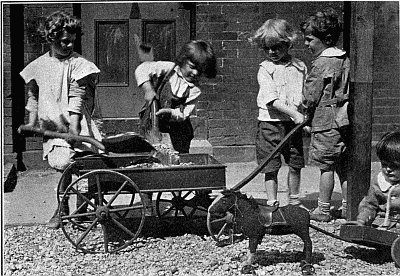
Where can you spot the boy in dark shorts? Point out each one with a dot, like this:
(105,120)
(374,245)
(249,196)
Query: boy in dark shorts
(326,101)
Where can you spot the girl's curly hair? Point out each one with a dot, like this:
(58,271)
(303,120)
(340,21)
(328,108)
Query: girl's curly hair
(324,24)
(58,22)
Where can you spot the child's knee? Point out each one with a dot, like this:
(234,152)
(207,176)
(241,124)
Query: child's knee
(60,157)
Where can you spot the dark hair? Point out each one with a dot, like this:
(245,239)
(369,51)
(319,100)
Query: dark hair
(388,148)
(201,54)
(58,22)
(324,25)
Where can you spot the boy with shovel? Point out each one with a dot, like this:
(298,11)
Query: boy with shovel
(171,92)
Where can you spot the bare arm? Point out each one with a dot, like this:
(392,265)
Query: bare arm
(149,92)
(280,105)
(32,90)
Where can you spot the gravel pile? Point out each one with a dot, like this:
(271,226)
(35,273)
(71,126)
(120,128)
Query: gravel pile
(170,249)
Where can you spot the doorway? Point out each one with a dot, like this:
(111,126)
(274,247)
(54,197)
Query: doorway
(111,31)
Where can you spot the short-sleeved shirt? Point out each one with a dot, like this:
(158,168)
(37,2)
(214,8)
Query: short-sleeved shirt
(59,93)
(280,81)
(155,71)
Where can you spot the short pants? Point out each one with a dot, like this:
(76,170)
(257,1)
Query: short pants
(60,157)
(269,135)
(328,149)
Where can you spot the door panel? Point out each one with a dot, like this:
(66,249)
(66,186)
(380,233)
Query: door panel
(109,40)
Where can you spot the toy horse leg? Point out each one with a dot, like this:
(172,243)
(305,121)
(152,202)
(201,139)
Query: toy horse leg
(248,267)
(306,266)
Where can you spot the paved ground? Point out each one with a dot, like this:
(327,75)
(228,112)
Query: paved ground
(34,200)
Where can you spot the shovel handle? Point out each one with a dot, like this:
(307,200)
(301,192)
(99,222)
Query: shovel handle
(154,118)
(24,129)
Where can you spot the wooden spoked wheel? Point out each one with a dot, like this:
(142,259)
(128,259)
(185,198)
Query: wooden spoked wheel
(107,212)
(395,251)
(181,204)
(222,228)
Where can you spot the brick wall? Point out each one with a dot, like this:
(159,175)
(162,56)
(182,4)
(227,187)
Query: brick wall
(228,108)
(230,100)
(7,101)
(386,85)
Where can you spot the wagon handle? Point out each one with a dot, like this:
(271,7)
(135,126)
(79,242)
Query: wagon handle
(52,134)
(257,170)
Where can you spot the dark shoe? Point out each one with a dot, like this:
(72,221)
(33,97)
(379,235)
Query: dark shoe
(55,221)
(318,215)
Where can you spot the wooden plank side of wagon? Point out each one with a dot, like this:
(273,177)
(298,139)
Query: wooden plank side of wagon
(201,171)
(368,235)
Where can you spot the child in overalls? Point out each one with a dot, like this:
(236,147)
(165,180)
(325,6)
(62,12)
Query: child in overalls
(281,79)
(384,192)
(326,100)
(177,86)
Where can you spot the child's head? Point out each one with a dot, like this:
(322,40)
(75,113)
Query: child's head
(388,152)
(197,58)
(59,22)
(275,37)
(61,30)
(323,25)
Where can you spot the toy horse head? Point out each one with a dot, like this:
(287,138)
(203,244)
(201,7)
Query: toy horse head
(226,201)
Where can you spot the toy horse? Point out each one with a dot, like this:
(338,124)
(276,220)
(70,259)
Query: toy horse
(255,220)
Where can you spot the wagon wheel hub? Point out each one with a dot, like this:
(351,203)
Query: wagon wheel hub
(102,213)
(229,218)
(178,202)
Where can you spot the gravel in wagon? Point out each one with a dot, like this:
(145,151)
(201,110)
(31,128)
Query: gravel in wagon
(178,249)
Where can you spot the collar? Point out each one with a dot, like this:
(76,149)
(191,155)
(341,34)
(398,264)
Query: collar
(270,66)
(179,73)
(332,52)
(383,184)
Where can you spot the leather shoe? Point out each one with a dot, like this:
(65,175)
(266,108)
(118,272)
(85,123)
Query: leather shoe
(55,221)
(318,215)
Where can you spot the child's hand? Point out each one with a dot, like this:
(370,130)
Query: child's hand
(149,96)
(307,129)
(164,111)
(298,118)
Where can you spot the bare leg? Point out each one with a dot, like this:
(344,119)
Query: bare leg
(326,185)
(294,175)
(342,173)
(271,186)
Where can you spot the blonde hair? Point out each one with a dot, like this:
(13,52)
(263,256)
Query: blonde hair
(272,32)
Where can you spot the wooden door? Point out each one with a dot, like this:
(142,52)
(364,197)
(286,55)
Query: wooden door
(111,34)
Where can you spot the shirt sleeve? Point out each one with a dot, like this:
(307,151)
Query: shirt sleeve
(189,106)
(81,93)
(369,205)
(148,70)
(181,114)
(83,68)
(268,91)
